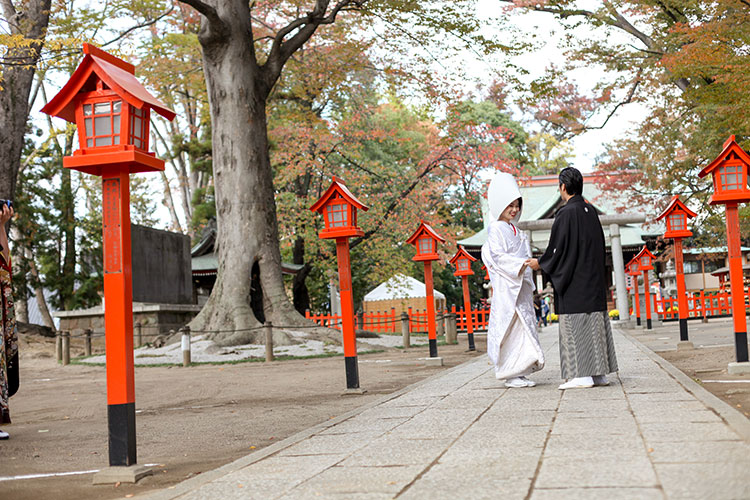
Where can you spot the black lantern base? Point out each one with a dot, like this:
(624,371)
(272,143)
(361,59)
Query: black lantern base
(740,345)
(121,421)
(433,348)
(683,329)
(352,372)
(472,347)
(638,321)
(648,324)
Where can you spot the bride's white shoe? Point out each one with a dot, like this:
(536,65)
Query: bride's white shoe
(578,383)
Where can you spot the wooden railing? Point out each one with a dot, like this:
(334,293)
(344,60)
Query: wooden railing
(389,322)
(700,304)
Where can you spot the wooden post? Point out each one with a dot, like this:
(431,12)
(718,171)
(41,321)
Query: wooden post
(440,323)
(138,334)
(268,329)
(58,346)
(66,348)
(467,308)
(647,300)
(87,342)
(405,330)
(360,320)
(430,303)
(451,335)
(736,283)
(185,330)
(347,313)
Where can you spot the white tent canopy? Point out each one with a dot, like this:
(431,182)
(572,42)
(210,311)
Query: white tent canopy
(399,287)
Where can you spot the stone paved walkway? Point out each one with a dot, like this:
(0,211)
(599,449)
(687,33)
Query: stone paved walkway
(652,434)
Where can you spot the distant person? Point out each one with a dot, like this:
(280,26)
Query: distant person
(538,309)
(545,310)
(575,261)
(512,342)
(9,344)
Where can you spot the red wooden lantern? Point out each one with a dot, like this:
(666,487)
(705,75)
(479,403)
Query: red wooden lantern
(462,260)
(111,110)
(644,259)
(425,239)
(339,209)
(676,216)
(632,270)
(730,172)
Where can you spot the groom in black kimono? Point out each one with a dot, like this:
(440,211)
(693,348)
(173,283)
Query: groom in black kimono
(575,261)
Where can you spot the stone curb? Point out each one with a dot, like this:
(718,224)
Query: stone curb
(733,418)
(194,483)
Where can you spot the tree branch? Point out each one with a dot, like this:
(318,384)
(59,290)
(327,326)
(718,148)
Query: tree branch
(305,26)
(627,100)
(215,28)
(401,196)
(139,26)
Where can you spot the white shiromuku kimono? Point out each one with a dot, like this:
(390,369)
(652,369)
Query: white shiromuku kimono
(512,342)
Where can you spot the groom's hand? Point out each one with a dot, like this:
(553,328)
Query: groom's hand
(533,264)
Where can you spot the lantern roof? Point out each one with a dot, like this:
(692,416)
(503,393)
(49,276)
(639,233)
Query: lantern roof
(645,252)
(337,186)
(730,147)
(119,76)
(676,204)
(461,254)
(424,228)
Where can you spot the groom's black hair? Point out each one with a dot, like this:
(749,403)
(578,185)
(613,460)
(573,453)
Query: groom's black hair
(572,179)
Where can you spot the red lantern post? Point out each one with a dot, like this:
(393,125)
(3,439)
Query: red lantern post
(462,260)
(339,209)
(676,215)
(643,260)
(111,110)
(632,269)
(730,172)
(425,239)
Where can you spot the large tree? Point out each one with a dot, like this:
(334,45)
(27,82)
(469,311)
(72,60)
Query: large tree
(242,62)
(26,24)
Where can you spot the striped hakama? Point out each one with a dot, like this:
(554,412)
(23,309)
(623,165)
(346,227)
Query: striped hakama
(586,346)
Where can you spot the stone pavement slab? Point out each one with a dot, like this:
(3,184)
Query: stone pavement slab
(652,433)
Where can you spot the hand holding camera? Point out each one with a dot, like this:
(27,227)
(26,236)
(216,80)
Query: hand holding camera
(7,211)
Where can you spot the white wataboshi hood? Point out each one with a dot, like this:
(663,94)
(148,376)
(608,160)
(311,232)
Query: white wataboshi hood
(502,191)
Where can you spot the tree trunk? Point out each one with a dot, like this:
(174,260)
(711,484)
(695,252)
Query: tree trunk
(300,294)
(41,301)
(247,231)
(68,226)
(29,19)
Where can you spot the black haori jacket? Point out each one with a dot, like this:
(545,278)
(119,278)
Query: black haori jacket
(575,259)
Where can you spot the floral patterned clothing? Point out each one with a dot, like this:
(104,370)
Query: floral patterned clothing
(9,344)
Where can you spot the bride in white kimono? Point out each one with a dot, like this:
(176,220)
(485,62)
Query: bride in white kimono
(512,342)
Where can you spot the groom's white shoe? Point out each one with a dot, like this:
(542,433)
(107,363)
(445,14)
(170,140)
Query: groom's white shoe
(600,380)
(577,383)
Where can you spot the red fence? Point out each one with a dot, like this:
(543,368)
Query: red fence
(389,322)
(479,317)
(380,322)
(700,304)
